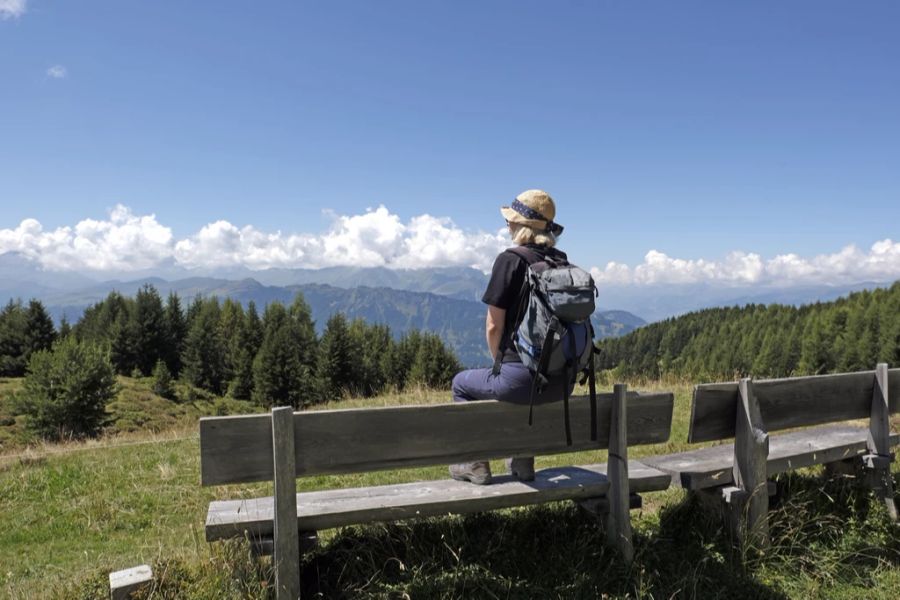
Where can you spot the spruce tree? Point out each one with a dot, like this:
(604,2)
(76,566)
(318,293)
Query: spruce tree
(434,365)
(176,332)
(149,325)
(123,342)
(336,360)
(279,376)
(231,323)
(249,340)
(13,339)
(203,359)
(67,389)
(65,329)
(40,333)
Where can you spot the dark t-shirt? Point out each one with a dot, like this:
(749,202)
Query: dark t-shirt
(505,287)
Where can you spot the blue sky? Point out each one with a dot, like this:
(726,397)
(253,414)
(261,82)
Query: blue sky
(693,129)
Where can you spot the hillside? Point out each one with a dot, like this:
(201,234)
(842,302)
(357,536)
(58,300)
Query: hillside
(849,334)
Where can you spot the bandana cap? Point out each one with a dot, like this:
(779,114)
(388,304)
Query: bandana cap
(534,208)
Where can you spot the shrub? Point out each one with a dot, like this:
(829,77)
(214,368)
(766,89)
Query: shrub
(162,381)
(66,390)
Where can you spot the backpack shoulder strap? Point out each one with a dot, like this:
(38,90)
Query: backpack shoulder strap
(527,254)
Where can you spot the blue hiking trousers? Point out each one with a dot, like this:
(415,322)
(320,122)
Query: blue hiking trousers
(512,384)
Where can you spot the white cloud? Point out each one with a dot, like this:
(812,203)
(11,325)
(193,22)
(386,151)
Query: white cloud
(56,71)
(126,242)
(123,242)
(12,8)
(376,238)
(849,265)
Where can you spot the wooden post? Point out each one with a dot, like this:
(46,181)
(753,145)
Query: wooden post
(286,557)
(878,460)
(618,521)
(751,453)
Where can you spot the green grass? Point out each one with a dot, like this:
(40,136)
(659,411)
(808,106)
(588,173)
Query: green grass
(70,514)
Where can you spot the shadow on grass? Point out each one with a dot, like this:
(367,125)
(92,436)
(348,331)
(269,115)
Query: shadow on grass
(829,531)
(829,536)
(552,551)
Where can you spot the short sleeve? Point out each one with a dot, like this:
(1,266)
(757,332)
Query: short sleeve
(505,284)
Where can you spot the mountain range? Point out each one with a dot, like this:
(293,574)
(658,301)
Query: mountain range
(458,321)
(389,295)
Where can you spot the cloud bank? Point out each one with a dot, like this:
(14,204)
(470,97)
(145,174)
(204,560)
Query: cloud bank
(128,242)
(12,8)
(740,269)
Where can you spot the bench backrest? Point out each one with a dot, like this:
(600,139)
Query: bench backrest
(239,449)
(787,403)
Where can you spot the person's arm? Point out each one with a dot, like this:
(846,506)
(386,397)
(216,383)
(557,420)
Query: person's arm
(493,328)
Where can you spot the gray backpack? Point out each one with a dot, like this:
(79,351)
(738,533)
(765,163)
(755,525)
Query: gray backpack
(553,336)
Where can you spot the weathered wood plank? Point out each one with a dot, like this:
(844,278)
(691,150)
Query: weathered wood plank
(287,545)
(787,403)
(336,508)
(711,467)
(238,449)
(618,520)
(751,450)
(123,584)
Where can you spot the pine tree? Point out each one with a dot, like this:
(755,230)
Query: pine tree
(305,330)
(203,359)
(279,376)
(405,355)
(40,333)
(336,364)
(67,389)
(249,340)
(123,343)
(434,365)
(231,323)
(65,329)
(176,332)
(13,339)
(149,326)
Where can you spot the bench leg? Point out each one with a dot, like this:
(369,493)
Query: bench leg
(733,504)
(878,460)
(878,479)
(618,519)
(599,507)
(265,546)
(750,499)
(286,551)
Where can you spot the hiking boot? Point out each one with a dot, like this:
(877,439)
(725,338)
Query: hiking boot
(478,473)
(521,468)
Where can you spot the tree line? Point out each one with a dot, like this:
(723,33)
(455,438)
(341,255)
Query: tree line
(850,334)
(274,359)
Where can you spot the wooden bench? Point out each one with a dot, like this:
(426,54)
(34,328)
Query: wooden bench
(284,445)
(748,411)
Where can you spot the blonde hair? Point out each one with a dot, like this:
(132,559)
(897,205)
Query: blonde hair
(523,234)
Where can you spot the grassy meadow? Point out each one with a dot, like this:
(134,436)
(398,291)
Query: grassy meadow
(71,513)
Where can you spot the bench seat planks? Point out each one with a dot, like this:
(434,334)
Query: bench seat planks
(335,508)
(712,467)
